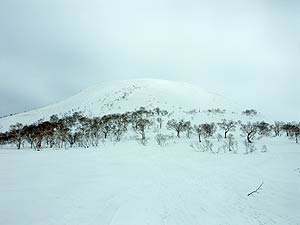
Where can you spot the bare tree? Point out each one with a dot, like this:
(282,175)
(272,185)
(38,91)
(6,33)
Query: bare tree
(277,127)
(205,129)
(40,132)
(61,133)
(95,130)
(106,125)
(264,128)
(295,132)
(227,126)
(160,121)
(157,111)
(287,128)
(119,127)
(16,134)
(189,129)
(140,126)
(208,129)
(3,138)
(199,131)
(178,126)
(28,134)
(250,130)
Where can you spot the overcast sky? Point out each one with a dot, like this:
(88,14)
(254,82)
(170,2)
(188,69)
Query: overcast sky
(247,50)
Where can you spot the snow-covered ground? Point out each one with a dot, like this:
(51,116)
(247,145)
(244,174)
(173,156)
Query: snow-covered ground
(131,184)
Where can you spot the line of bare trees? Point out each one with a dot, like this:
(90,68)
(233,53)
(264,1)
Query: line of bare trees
(250,130)
(81,131)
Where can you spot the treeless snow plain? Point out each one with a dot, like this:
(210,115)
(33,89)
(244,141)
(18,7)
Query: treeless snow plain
(130,184)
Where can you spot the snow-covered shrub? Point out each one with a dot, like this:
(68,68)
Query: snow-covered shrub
(143,141)
(219,137)
(229,144)
(189,129)
(160,122)
(155,129)
(204,146)
(250,147)
(264,148)
(197,146)
(208,145)
(161,139)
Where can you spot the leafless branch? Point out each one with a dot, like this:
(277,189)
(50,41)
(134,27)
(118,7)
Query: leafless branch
(257,189)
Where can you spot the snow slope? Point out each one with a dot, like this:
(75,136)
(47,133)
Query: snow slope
(128,95)
(131,184)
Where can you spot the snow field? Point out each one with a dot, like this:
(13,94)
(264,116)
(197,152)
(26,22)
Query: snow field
(131,184)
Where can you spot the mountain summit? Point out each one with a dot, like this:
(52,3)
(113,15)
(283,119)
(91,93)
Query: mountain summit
(128,95)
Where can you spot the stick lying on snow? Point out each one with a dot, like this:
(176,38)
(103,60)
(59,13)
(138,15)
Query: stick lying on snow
(257,189)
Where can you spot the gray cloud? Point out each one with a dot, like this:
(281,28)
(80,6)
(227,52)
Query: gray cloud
(246,50)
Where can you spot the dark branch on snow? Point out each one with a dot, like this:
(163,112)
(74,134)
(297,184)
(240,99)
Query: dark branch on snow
(257,189)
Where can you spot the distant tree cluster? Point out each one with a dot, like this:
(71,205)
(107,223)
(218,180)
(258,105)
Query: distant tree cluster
(79,130)
(250,112)
(217,111)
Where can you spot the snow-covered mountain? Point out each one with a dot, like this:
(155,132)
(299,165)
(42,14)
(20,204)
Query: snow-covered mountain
(178,181)
(128,95)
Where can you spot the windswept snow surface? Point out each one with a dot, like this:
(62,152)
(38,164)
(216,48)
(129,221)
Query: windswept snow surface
(131,184)
(129,95)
